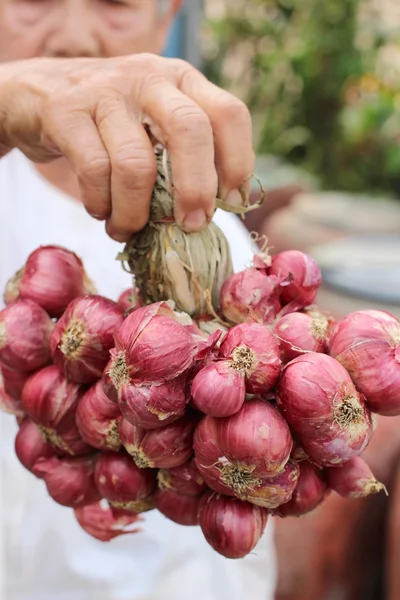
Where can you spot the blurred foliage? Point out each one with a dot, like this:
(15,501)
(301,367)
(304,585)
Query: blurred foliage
(309,71)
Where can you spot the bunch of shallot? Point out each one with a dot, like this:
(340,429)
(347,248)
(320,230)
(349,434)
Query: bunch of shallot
(262,408)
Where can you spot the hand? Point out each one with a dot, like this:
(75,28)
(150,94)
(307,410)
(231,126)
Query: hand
(94,112)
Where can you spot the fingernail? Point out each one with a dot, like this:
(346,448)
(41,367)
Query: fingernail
(195,221)
(234,198)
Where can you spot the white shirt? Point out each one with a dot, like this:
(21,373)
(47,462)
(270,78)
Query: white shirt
(45,554)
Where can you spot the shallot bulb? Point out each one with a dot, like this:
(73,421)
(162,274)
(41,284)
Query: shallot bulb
(130,300)
(219,389)
(250,293)
(97,419)
(8,403)
(83,337)
(253,350)
(101,522)
(51,402)
(232,527)
(69,481)
(30,445)
(151,347)
(163,448)
(354,479)
(310,491)
(184,479)
(52,277)
(277,490)
(25,330)
(13,381)
(153,406)
(327,414)
(367,344)
(177,507)
(300,278)
(299,333)
(235,454)
(123,484)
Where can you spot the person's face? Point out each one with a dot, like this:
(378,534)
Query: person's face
(82,28)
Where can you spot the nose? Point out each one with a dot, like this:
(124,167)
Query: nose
(74,32)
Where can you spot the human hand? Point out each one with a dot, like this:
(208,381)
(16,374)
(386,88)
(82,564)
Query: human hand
(95,113)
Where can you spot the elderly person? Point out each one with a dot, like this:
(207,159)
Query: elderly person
(83,95)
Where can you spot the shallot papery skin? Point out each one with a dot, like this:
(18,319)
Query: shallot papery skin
(232,527)
(254,351)
(298,453)
(151,347)
(103,524)
(123,484)
(310,491)
(25,330)
(108,385)
(235,454)
(219,389)
(97,419)
(177,507)
(250,293)
(299,333)
(69,481)
(154,406)
(51,402)
(52,277)
(83,337)
(300,278)
(367,344)
(163,448)
(276,491)
(130,300)
(327,414)
(184,479)
(354,479)
(30,445)
(8,403)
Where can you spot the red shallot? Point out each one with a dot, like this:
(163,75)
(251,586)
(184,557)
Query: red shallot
(130,300)
(69,481)
(253,350)
(13,381)
(51,402)
(232,527)
(123,484)
(367,344)
(353,479)
(311,490)
(97,419)
(184,479)
(235,454)
(25,330)
(300,278)
(163,448)
(52,277)
(101,522)
(30,445)
(153,406)
(83,337)
(177,507)
(151,347)
(8,403)
(299,333)
(219,389)
(250,293)
(327,414)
